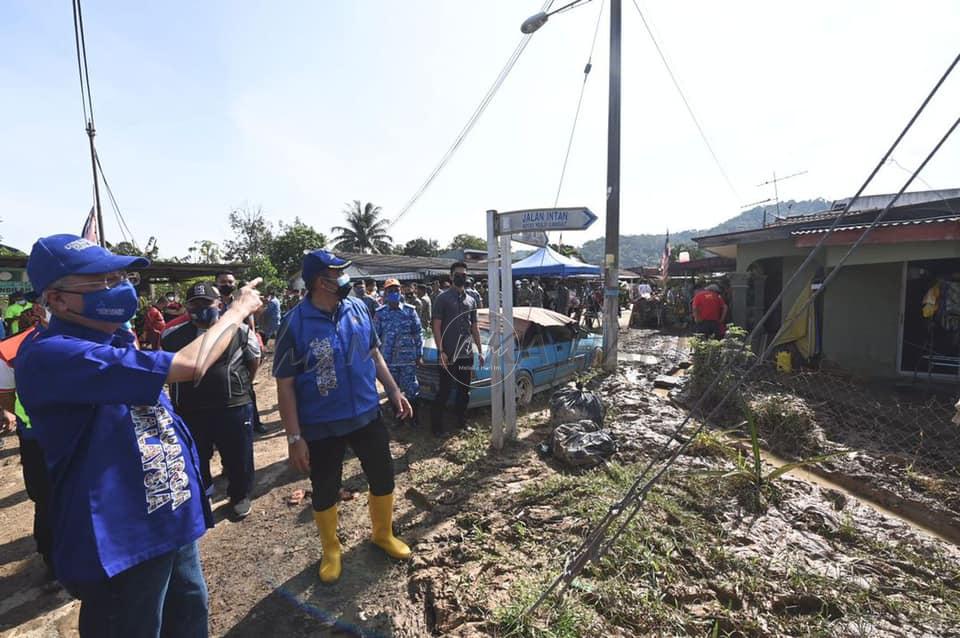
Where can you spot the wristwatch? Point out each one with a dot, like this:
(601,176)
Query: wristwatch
(293,438)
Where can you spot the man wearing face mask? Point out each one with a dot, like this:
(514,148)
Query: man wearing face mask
(124,470)
(227,285)
(401,343)
(217,410)
(327,362)
(454,324)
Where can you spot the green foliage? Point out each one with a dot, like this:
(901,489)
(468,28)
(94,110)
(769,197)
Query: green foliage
(205,251)
(291,242)
(466,240)
(727,360)
(366,230)
(420,247)
(261,266)
(787,424)
(689,247)
(124,248)
(252,235)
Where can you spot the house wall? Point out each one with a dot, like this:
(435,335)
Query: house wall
(861,319)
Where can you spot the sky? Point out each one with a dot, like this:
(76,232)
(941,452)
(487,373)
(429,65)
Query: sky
(300,107)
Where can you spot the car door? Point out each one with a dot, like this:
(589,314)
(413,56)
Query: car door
(535,358)
(561,343)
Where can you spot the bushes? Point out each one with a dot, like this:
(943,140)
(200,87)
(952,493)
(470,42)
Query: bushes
(725,360)
(787,424)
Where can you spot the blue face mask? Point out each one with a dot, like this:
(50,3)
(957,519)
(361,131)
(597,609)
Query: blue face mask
(116,305)
(392,297)
(206,316)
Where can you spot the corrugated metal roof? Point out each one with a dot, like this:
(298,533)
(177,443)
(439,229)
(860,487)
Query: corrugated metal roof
(890,224)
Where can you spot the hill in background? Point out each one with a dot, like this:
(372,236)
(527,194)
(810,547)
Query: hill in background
(636,250)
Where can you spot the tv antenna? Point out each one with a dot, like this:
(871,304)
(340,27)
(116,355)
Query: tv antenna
(776,192)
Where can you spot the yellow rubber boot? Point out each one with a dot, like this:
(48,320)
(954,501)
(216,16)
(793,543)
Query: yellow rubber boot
(381,518)
(330,561)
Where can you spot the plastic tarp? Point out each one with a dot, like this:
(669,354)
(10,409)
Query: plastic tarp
(801,328)
(547,262)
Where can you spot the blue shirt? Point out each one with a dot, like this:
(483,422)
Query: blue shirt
(271,317)
(124,470)
(398,329)
(329,355)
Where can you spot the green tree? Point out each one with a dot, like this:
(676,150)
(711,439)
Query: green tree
(366,230)
(291,242)
(420,247)
(205,251)
(261,266)
(252,235)
(124,248)
(465,240)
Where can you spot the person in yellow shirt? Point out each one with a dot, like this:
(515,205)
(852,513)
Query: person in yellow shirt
(11,317)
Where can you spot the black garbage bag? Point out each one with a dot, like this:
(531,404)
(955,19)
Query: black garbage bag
(573,404)
(582,444)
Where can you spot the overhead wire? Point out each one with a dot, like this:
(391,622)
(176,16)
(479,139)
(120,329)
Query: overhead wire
(591,548)
(686,103)
(121,221)
(474,117)
(86,98)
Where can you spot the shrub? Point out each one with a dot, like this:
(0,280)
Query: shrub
(787,424)
(726,361)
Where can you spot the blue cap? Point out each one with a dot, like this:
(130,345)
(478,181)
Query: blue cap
(57,256)
(318,261)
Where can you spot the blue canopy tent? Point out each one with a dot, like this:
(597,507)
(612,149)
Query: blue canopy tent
(547,262)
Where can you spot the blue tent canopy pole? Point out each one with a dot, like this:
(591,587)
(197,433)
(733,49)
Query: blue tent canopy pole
(547,262)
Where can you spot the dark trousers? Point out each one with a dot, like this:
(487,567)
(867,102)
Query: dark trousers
(709,329)
(231,431)
(456,377)
(163,597)
(37,482)
(370,443)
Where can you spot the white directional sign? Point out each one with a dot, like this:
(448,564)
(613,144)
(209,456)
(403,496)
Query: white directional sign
(544,219)
(533,238)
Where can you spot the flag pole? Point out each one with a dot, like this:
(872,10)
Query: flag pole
(91,132)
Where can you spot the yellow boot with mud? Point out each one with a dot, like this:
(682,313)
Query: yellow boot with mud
(381,518)
(330,561)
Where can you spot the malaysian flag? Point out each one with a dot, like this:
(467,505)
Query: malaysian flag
(91,231)
(665,259)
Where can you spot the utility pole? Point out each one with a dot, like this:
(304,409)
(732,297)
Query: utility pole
(611,259)
(91,132)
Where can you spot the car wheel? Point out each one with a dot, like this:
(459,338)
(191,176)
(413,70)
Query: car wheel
(524,390)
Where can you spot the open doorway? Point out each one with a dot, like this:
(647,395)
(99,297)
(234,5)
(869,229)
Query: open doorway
(931,318)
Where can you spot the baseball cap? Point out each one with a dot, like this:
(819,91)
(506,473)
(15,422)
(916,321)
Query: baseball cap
(203,290)
(57,256)
(391,282)
(318,261)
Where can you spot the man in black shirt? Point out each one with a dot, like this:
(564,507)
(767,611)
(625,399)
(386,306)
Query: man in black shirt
(454,324)
(218,409)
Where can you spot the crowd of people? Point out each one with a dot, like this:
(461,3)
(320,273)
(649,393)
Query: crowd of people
(117,459)
(702,306)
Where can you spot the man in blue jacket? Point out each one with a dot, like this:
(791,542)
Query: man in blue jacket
(327,364)
(127,501)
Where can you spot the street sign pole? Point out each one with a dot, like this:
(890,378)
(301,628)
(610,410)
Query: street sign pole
(496,332)
(506,343)
(532,226)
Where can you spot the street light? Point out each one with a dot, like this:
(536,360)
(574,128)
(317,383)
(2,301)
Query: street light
(611,257)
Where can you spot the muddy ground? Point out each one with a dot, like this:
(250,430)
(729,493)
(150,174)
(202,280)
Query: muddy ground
(488,530)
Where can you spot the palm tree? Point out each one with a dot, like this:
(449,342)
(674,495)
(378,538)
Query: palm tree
(365,231)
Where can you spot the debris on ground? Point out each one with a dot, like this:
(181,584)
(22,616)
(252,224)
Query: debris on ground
(574,404)
(582,444)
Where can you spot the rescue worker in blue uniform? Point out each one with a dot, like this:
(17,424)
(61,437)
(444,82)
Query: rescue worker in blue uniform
(327,363)
(401,341)
(127,503)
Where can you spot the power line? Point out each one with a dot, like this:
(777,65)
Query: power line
(487,98)
(591,549)
(686,103)
(121,221)
(576,116)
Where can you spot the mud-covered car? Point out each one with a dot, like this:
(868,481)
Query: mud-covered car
(550,349)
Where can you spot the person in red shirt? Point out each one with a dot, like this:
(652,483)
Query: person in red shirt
(155,324)
(709,312)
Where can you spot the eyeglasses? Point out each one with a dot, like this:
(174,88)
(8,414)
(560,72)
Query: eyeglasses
(110,280)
